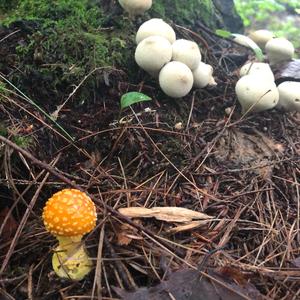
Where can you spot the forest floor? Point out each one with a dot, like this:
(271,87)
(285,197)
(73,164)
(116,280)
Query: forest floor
(198,153)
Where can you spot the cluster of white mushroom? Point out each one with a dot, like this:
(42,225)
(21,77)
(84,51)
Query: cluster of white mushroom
(176,63)
(135,7)
(256,89)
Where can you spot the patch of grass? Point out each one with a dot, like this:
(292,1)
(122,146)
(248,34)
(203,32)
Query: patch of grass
(20,140)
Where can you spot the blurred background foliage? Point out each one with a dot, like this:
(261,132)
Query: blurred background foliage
(280,16)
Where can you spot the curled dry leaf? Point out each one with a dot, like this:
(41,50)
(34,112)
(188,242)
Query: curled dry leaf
(125,234)
(188,226)
(169,213)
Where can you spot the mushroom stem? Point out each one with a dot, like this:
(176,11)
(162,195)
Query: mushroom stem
(70,259)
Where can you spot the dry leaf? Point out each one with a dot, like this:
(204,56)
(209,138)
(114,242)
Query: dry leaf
(169,214)
(125,235)
(296,262)
(138,268)
(239,150)
(287,71)
(190,284)
(188,226)
(10,226)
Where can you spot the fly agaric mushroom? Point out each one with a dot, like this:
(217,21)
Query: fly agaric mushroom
(257,68)
(203,75)
(256,93)
(261,37)
(289,96)
(176,79)
(186,52)
(68,215)
(279,50)
(155,27)
(153,53)
(135,7)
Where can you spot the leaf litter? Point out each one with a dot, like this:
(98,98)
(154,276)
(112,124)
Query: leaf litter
(191,284)
(242,171)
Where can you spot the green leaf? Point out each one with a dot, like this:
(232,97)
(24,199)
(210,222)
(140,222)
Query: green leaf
(223,33)
(258,53)
(132,98)
(246,41)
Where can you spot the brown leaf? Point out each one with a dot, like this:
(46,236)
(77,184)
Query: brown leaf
(126,234)
(234,274)
(239,150)
(188,226)
(10,226)
(169,214)
(192,285)
(287,71)
(296,262)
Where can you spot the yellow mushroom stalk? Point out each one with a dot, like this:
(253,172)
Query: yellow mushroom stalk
(68,215)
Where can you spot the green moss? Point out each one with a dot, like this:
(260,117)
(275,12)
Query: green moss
(70,38)
(21,141)
(60,12)
(3,130)
(185,12)
(3,90)
(67,43)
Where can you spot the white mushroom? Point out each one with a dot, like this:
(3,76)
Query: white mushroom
(135,7)
(279,50)
(176,79)
(289,96)
(261,37)
(257,68)
(186,52)
(155,27)
(153,53)
(203,75)
(256,93)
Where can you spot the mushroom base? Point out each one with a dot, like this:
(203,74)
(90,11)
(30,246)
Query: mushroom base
(70,259)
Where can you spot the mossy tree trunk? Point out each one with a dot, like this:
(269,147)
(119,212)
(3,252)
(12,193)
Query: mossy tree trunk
(62,41)
(213,13)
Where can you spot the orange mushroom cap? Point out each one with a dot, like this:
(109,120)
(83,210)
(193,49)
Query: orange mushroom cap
(69,212)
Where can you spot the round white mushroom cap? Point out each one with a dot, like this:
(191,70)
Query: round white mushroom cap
(176,79)
(153,53)
(186,52)
(155,27)
(203,75)
(261,37)
(257,68)
(136,7)
(279,49)
(289,96)
(256,93)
